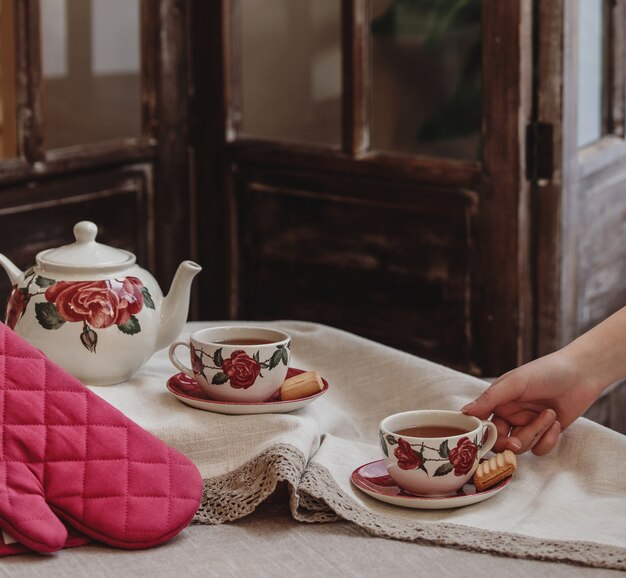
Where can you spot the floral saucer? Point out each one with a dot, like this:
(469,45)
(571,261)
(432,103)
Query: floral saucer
(187,390)
(375,481)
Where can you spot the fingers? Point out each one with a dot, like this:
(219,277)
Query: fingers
(530,435)
(500,392)
(513,444)
(548,440)
(516,416)
(504,441)
(536,432)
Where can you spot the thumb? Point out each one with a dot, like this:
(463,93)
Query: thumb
(501,391)
(24,513)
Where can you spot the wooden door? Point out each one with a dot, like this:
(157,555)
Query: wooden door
(95,102)
(581,183)
(421,246)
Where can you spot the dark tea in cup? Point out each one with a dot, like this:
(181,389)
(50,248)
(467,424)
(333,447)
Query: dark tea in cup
(431,431)
(243,341)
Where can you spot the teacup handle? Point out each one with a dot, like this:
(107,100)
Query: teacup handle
(492,437)
(177,363)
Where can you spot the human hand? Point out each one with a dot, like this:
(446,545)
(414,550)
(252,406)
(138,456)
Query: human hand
(534,403)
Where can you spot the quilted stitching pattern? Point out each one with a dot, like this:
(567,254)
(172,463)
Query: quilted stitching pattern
(66,452)
(10,546)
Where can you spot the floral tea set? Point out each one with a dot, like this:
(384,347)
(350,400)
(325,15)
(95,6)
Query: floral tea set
(94,312)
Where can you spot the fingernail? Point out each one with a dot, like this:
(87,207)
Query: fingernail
(469,407)
(515,445)
(551,413)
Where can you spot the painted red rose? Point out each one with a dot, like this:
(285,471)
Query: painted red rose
(241,369)
(462,457)
(99,303)
(408,458)
(15,307)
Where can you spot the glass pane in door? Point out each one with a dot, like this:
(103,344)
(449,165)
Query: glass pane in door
(427,77)
(91,68)
(291,70)
(8,111)
(590,71)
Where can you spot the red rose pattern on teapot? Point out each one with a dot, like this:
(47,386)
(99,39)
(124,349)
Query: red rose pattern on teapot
(95,304)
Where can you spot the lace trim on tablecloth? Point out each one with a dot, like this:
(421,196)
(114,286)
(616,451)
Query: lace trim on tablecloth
(320,494)
(238,493)
(316,497)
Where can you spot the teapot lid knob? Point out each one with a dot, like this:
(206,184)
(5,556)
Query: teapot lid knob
(85,257)
(85,232)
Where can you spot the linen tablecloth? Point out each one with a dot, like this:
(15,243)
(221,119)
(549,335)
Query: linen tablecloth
(568,506)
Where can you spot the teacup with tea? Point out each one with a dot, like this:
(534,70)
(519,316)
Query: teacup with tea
(434,452)
(236,363)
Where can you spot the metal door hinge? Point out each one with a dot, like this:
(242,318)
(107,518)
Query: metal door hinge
(539,151)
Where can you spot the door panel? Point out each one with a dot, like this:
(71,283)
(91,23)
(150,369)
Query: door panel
(390,264)
(601,239)
(438,41)
(118,201)
(8,81)
(581,205)
(291,70)
(91,71)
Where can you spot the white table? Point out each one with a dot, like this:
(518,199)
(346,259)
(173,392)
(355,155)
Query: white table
(269,542)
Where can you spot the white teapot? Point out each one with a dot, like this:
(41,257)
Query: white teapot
(92,310)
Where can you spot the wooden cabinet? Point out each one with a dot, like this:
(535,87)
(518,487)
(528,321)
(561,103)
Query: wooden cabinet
(123,164)
(428,253)
(479,262)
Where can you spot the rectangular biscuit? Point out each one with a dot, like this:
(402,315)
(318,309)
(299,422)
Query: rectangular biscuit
(301,385)
(494,470)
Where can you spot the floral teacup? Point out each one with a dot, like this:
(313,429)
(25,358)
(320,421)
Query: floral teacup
(434,452)
(236,363)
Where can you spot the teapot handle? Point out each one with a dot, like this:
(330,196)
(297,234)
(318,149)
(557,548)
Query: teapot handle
(177,363)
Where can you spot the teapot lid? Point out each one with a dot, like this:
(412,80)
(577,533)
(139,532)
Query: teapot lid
(85,254)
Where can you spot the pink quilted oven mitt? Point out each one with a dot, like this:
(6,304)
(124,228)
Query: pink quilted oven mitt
(66,454)
(9,545)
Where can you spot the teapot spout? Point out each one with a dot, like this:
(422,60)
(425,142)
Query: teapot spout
(175,305)
(15,275)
